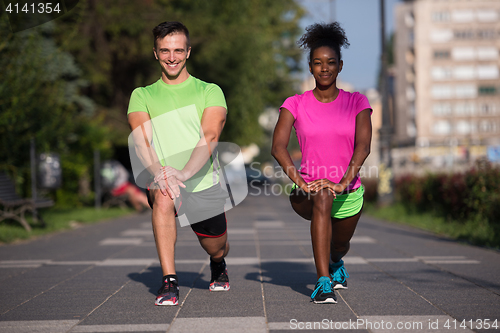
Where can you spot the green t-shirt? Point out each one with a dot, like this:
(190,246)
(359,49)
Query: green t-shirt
(175,112)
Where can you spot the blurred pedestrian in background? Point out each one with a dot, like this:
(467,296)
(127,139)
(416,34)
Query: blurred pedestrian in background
(115,179)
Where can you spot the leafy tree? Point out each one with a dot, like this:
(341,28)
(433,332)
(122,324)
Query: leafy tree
(244,46)
(247,48)
(40,98)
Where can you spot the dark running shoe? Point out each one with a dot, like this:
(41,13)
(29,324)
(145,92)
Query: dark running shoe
(338,275)
(219,280)
(169,291)
(323,292)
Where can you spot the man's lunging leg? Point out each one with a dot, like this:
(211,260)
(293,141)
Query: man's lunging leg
(165,233)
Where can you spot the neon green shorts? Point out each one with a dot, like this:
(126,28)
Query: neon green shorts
(349,204)
(346,205)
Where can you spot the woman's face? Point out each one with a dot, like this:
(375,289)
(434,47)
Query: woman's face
(325,65)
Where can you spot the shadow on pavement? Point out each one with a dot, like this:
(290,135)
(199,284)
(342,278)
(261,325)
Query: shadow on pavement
(296,276)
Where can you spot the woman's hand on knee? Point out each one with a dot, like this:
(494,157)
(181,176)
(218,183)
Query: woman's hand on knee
(320,184)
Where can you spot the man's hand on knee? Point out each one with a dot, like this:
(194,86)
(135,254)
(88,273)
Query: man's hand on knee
(169,186)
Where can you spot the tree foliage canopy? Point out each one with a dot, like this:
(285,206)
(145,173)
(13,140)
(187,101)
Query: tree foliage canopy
(40,98)
(245,46)
(67,82)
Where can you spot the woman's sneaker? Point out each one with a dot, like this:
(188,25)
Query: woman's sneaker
(323,292)
(338,275)
(220,279)
(169,291)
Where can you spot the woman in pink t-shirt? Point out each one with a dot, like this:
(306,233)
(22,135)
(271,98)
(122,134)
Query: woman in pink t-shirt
(334,132)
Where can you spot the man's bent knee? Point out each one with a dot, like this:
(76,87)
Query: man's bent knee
(161,202)
(221,252)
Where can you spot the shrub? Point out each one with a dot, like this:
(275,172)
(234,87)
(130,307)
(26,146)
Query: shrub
(469,197)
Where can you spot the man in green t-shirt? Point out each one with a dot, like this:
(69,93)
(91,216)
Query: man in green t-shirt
(176,123)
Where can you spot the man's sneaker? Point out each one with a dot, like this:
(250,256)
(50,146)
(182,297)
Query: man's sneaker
(338,275)
(219,280)
(323,292)
(169,291)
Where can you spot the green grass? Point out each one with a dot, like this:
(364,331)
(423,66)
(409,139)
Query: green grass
(474,232)
(57,220)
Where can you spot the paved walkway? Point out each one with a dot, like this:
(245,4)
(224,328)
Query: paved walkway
(104,278)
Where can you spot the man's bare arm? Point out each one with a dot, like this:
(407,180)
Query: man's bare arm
(142,134)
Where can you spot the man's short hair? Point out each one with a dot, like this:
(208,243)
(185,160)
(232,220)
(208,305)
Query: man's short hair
(167,28)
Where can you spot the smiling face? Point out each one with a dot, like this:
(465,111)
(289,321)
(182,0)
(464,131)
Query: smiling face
(325,66)
(172,53)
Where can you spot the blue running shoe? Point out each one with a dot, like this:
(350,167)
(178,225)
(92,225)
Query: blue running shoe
(339,275)
(323,293)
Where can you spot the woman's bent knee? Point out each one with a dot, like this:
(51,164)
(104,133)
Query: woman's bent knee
(323,200)
(301,203)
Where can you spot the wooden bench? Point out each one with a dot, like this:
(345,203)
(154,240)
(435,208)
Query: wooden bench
(14,207)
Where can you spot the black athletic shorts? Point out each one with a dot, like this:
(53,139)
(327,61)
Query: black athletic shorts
(204,210)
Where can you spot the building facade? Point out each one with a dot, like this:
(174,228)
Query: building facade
(447,80)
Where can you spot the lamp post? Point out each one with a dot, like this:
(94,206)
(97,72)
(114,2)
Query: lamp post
(385,184)
(331,12)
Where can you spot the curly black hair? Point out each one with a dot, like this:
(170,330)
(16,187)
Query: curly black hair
(322,34)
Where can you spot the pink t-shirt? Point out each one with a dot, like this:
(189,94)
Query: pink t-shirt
(326,133)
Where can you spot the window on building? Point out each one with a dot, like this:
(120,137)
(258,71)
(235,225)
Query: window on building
(487,15)
(465,109)
(441,35)
(489,72)
(487,109)
(410,57)
(487,126)
(464,73)
(410,93)
(473,127)
(487,90)
(441,127)
(442,91)
(463,53)
(410,76)
(465,91)
(411,130)
(486,34)
(441,73)
(462,16)
(441,54)
(441,16)
(411,110)
(464,34)
(487,53)
(463,127)
(441,109)
(409,19)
